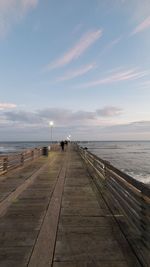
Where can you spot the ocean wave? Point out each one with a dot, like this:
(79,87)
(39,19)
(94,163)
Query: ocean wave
(135,152)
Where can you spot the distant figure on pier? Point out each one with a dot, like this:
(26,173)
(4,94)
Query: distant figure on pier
(66,142)
(62,145)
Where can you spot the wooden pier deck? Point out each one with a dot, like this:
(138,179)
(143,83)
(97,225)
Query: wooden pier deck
(53,215)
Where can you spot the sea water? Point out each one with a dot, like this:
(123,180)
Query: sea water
(131,157)
(18,147)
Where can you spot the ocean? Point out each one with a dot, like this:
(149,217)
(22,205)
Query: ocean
(132,157)
(18,147)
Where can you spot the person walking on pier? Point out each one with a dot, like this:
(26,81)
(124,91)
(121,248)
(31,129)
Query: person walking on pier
(62,145)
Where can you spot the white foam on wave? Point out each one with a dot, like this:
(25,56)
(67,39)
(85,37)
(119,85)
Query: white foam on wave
(144,178)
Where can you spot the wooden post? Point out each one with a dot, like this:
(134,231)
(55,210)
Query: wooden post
(5,164)
(39,152)
(22,159)
(32,154)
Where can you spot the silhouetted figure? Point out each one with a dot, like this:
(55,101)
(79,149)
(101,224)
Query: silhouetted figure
(62,145)
(66,142)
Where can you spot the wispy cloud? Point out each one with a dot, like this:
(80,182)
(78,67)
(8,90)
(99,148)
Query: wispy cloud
(12,11)
(4,106)
(76,73)
(124,75)
(109,46)
(140,8)
(142,26)
(78,49)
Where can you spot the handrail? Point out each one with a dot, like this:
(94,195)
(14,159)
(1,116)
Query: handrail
(14,160)
(9,162)
(127,197)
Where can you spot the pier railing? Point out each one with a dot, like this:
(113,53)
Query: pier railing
(12,161)
(129,201)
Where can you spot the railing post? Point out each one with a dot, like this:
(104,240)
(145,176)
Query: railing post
(22,159)
(105,172)
(5,164)
(32,154)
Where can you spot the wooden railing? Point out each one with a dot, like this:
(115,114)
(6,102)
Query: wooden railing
(129,201)
(12,161)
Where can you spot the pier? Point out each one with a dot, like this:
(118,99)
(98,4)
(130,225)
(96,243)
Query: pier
(71,209)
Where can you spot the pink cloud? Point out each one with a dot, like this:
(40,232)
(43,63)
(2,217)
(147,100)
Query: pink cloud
(4,106)
(9,5)
(12,11)
(131,74)
(78,72)
(142,26)
(79,48)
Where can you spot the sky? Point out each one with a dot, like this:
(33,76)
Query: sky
(85,65)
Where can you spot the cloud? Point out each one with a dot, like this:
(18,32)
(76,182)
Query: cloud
(23,117)
(109,111)
(111,45)
(83,116)
(76,73)
(4,106)
(12,11)
(124,75)
(60,116)
(78,49)
(67,116)
(137,130)
(142,26)
(81,124)
(140,8)
(132,127)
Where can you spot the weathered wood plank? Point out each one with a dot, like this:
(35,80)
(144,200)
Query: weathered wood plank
(44,248)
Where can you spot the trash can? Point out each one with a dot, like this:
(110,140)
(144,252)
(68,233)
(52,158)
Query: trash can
(45,151)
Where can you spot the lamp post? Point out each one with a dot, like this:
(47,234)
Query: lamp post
(51,123)
(69,136)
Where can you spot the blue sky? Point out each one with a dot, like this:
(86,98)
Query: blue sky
(83,64)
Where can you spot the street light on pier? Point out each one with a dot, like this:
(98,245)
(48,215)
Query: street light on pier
(68,137)
(51,123)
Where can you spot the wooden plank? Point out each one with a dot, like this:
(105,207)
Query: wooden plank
(20,225)
(42,254)
(8,201)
